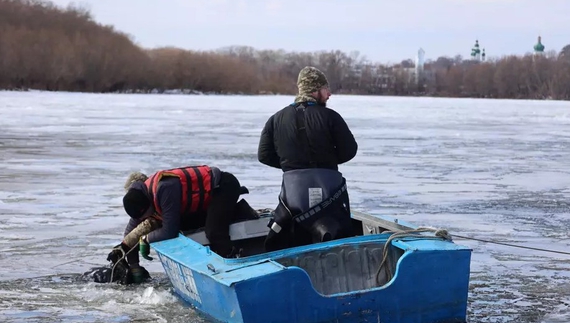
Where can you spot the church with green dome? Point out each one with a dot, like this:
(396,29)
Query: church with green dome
(476,53)
(539,47)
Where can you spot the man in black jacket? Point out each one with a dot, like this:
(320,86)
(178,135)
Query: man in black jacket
(308,141)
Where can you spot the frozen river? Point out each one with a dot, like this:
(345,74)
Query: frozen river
(492,169)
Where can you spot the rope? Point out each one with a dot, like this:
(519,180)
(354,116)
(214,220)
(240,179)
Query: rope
(439,234)
(145,227)
(513,245)
(118,261)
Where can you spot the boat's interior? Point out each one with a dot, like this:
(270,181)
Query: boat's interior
(332,270)
(345,268)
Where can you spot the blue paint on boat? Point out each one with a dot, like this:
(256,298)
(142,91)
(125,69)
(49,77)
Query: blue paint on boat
(333,281)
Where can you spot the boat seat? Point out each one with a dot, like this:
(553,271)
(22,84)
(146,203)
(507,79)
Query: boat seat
(245,229)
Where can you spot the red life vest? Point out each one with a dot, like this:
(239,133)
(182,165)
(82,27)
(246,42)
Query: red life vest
(196,187)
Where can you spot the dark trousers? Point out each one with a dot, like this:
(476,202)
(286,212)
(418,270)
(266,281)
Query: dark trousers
(220,213)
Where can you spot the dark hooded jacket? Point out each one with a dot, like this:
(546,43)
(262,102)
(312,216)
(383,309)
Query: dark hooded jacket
(316,138)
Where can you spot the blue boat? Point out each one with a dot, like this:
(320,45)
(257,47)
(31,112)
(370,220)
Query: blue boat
(388,273)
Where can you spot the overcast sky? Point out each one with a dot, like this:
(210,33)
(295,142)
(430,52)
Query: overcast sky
(382,30)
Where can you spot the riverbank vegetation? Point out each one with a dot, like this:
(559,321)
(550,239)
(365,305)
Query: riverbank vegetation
(49,48)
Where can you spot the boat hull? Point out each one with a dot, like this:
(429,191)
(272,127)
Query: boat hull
(334,281)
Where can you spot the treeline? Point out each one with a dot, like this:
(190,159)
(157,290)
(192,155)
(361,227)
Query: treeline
(527,77)
(48,48)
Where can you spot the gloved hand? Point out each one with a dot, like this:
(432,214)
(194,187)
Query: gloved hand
(144,248)
(118,253)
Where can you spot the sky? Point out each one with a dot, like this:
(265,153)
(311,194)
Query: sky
(384,31)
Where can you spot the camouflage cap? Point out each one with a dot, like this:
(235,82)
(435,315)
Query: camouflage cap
(135,177)
(311,80)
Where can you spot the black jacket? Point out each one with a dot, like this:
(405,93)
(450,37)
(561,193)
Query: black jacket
(325,142)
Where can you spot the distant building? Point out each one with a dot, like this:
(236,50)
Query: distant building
(476,52)
(420,61)
(413,73)
(539,47)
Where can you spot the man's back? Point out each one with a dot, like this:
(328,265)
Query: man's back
(309,135)
(308,141)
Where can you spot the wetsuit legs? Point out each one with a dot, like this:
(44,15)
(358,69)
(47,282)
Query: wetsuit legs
(221,213)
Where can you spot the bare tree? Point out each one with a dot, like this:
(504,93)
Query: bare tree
(45,47)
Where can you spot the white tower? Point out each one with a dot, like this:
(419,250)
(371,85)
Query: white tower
(420,59)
